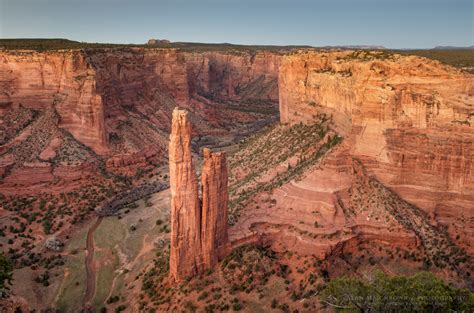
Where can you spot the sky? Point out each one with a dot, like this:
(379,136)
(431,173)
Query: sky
(391,23)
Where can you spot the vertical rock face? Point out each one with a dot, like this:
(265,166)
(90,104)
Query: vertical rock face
(407,118)
(233,76)
(63,80)
(119,100)
(198,236)
(214,207)
(185,211)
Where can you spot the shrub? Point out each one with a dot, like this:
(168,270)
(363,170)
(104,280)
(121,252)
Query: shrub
(422,292)
(274,303)
(47,226)
(6,274)
(237,306)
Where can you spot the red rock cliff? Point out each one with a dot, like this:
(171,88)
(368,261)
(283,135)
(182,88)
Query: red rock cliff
(121,99)
(233,76)
(409,119)
(198,236)
(60,79)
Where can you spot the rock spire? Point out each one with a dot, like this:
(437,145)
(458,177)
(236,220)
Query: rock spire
(198,234)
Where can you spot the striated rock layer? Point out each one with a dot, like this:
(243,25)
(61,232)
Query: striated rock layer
(118,103)
(185,252)
(198,235)
(64,80)
(231,76)
(215,198)
(408,119)
(122,99)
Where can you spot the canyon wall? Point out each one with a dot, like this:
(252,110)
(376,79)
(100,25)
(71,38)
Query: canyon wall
(198,234)
(122,99)
(62,79)
(234,76)
(407,118)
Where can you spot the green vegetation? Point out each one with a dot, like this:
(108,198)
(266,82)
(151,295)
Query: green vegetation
(6,274)
(72,288)
(422,292)
(295,148)
(461,58)
(41,44)
(154,278)
(14,122)
(47,226)
(43,279)
(255,263)
(366,55)
(440,249)
(105,276)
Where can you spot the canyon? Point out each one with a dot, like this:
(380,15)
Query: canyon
(134,85)
(86,130)
(330,162)
(78,127)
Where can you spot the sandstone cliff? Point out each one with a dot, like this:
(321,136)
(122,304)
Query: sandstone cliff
(64,80)
(233,76)
(118,102)
(122,99)
(408,119)
(198,236)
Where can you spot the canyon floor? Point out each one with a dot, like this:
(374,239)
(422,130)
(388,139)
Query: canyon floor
(121,244)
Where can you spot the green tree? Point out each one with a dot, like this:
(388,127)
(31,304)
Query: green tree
(47,226)
(6,274)
(422,292)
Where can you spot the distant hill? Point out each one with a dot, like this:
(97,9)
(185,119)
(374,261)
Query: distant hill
(453,48)
(357,47)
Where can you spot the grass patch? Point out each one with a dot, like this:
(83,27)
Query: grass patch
(105,275)
(78,240)
(109,233)
(72,290)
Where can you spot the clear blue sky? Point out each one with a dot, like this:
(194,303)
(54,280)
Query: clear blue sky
(392,23)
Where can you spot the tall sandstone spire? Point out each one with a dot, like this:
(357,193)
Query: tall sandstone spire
(214,240)
(198,235)
(185,212)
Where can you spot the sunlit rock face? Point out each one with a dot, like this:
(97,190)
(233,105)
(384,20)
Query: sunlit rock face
(215,198)
(198,234)
(409,119)
(185,254)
